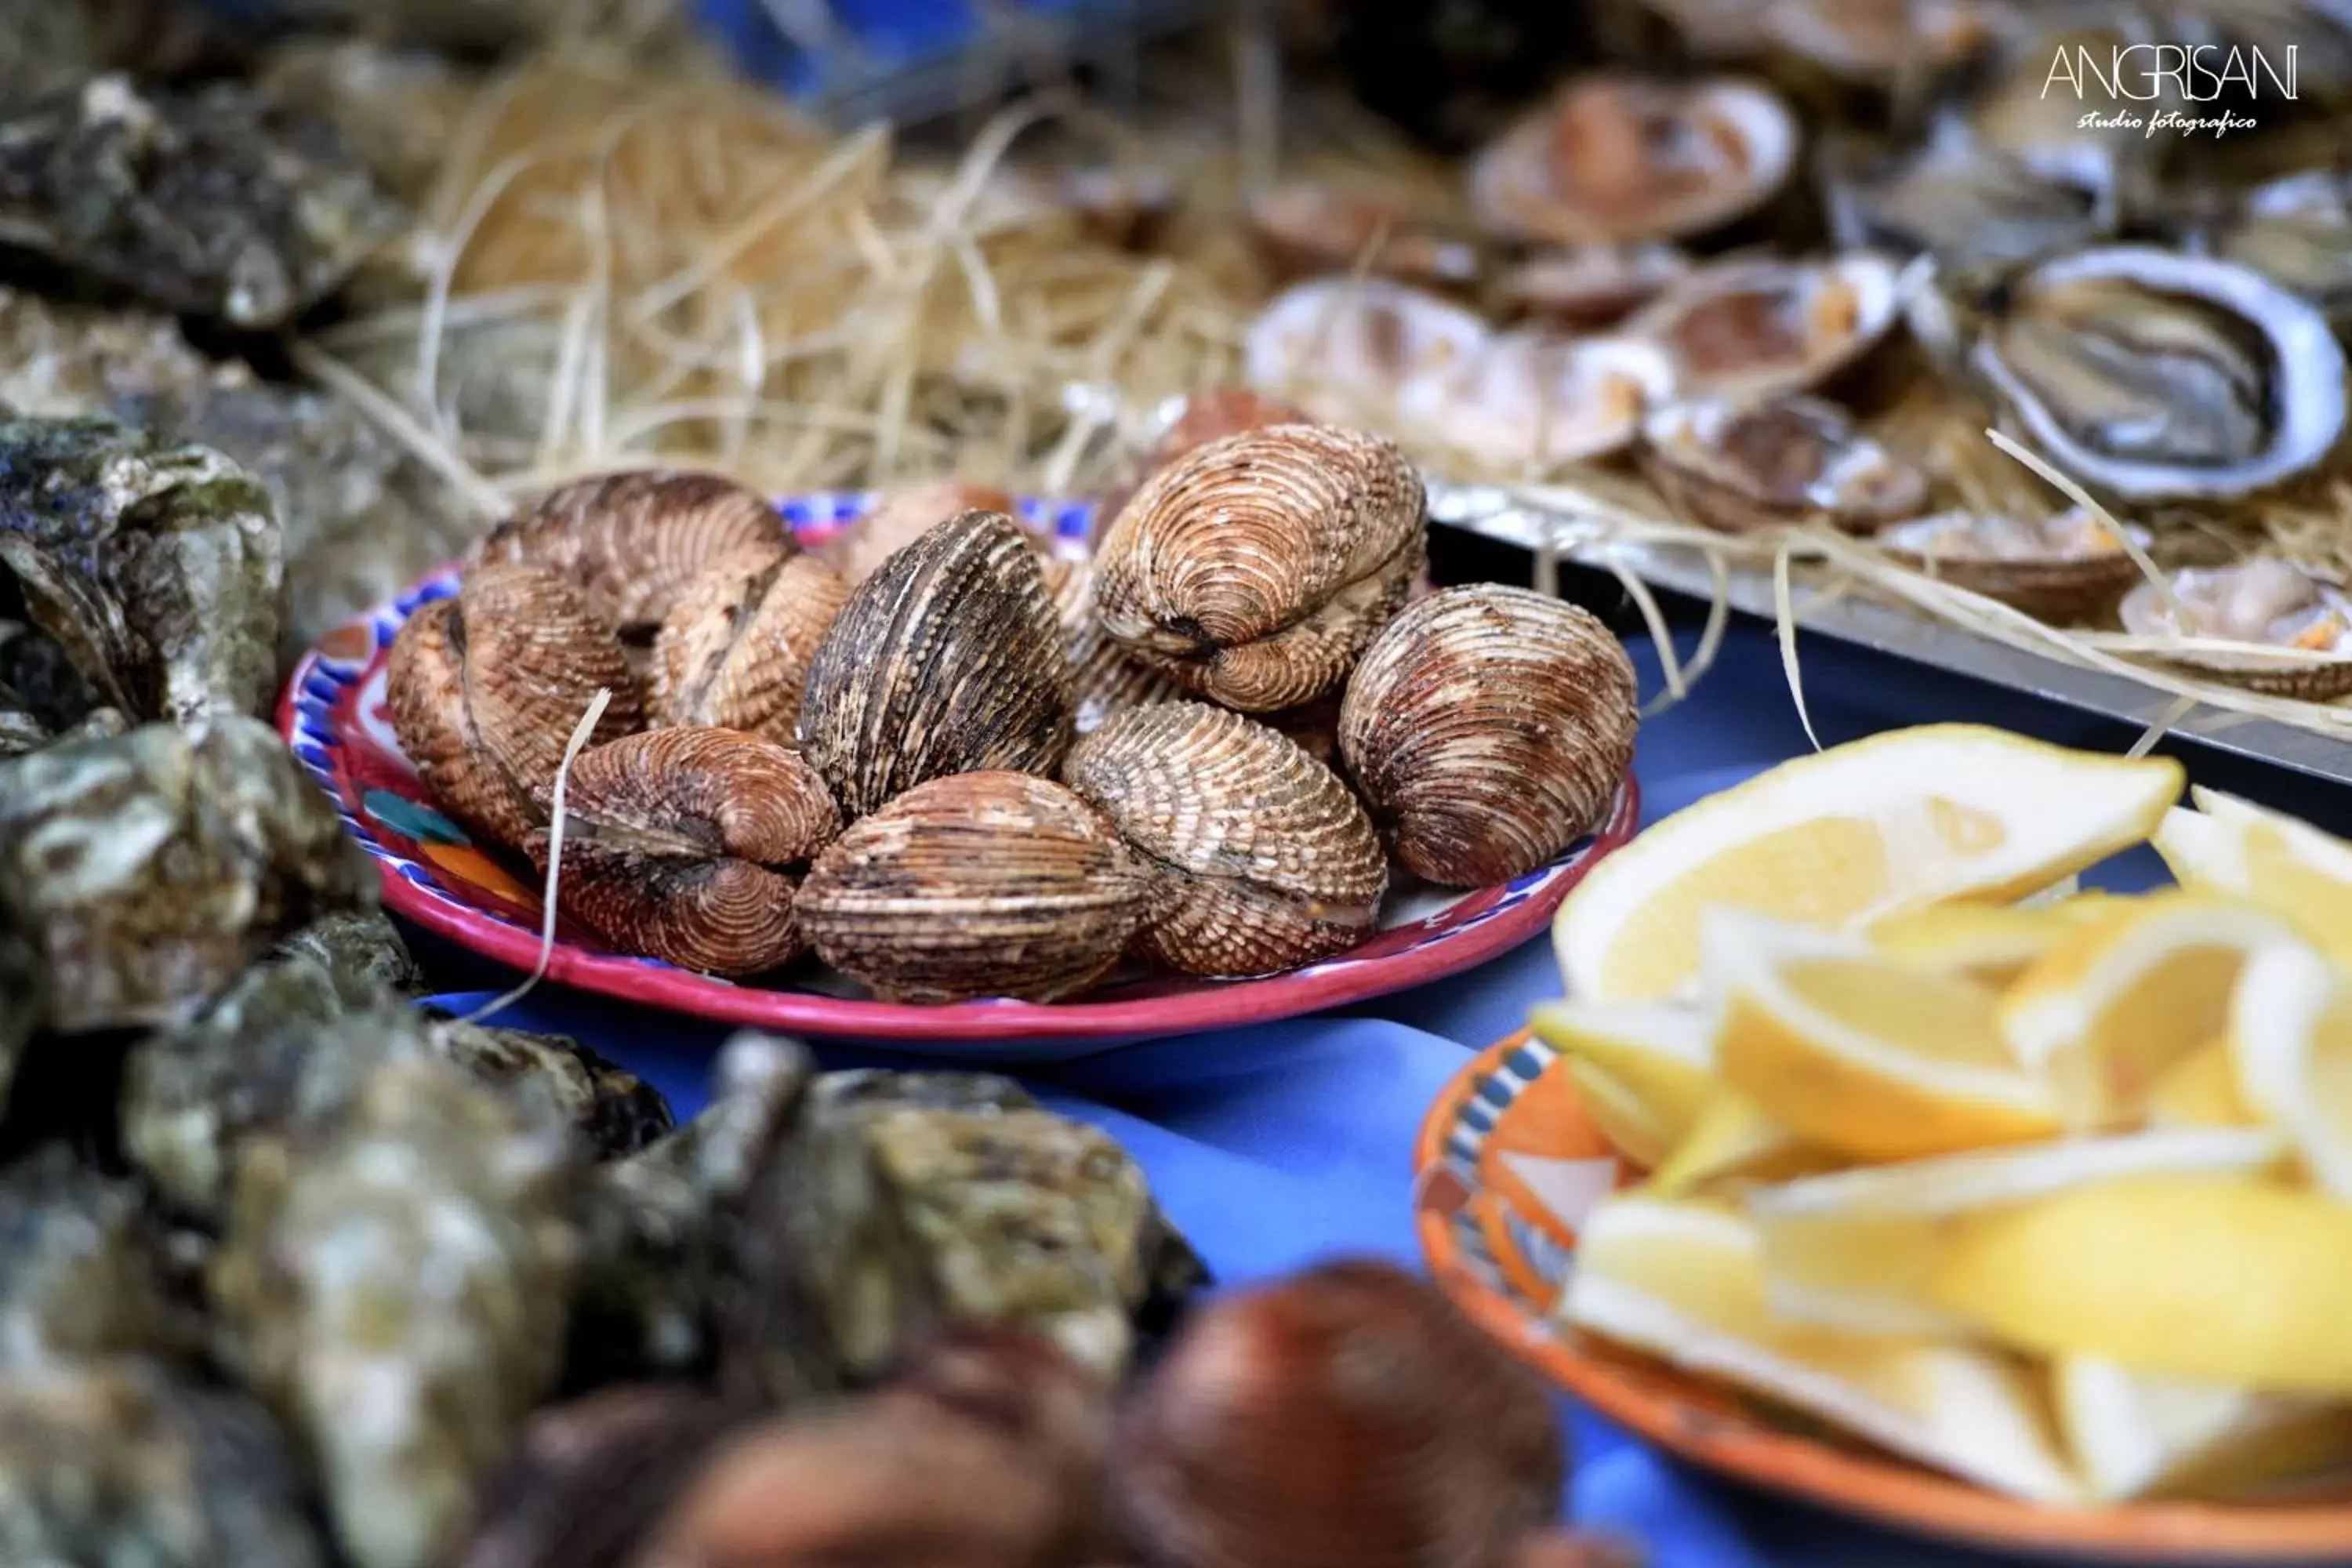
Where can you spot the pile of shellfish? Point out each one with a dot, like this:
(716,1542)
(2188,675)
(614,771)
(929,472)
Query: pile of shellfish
(1735,255)
(953,764)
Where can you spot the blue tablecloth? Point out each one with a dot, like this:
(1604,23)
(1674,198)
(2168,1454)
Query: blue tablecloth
(1277,1145)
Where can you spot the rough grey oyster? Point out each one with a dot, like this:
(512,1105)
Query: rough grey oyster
(154,566)
(363,952)
(210,202)
(492,378)
(408,1258)
(60,361)
(117,1462)
(392,106)
(24,1002)
(905,1202)
(79,1276)
(239,849)
(1968,205)
(614,1110)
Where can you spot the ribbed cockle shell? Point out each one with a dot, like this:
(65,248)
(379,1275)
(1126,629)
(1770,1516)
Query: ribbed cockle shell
(735,650)
(949,660)
(1264,858)
(1104,679)
(1256,569)
(1347,1416)
(632,541)
(1202,418)
(902,516)
(984,884)
(485,689)
(1488,729)
(685,844)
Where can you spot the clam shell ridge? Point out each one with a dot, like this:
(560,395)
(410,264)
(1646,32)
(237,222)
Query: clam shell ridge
(1265,858)
(982,884)
(1344,1416)
(683,845)
(1255,568)
(1488,729)
(630,541)
(949,660)
(485,689)
(736,647)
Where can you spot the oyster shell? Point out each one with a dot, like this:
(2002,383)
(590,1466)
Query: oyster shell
(1748,330)
(1740,467)
(900,517)
(1256,569)
(236,848)
(1970,206)
(485,689)
(2262,601)
(630,542)
(736,647)
(2152,374)
(1489,728)
(2063,569)
(1533,402)
(78,1279)
(984,884)
(214,202)
(2296,231)
(63,361)
(1307,229)
(613,1110)
(683,845)
(903,1203)
(1347,1414)
(120,1462)
(1263,860)
(948,660)
(1367,352)
(337,1274)
(155,566)
(390,105)
(1616,159)
(1590,286)
(362,953)
(24,986)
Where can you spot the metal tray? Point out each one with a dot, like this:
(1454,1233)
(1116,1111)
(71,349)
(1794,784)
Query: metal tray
(1894,629)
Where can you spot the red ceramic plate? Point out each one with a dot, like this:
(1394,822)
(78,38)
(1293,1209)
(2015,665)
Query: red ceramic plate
(333,715)
(1507,1166)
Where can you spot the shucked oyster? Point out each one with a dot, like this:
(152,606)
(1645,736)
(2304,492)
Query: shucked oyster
(2152,374)
(2265,602)
(238,848)
(155,567)
(1373,354)
(1591,285)
(1310,229)
(1533,402)
(1744,465)
(2297,232)
(1747,330)
(2065,568)
(1967,204)
(212,203)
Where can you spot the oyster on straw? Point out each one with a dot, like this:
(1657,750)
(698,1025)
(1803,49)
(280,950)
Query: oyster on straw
(1371,352)
(1590,286)
(1968,205)
(2061,569)
(2149,374)
(1308,229)
(1741,466)
(1747,330)
(1615,158)
(2263,601)
(214,202)
(1532,401)
(2296,231)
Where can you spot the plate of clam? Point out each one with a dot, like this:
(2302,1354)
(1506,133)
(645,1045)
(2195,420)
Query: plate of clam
(945,765)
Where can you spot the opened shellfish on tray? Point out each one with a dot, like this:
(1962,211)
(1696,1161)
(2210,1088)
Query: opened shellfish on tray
(987,788)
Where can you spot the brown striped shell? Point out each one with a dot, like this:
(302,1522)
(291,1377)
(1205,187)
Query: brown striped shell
(735,649)
(949,660)
(984,884)
(899,518)
(1104,680)
(630,541)
(1256,569)
(1264,859)
(685,844)
(1347,1416)
(485,689)
(1203,417)
(1488,729)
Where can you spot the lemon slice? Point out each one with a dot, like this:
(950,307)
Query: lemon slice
(1684,1281)
(1627,1120)
(2287,866)
(1852,835)
(2291,1043)
(1862,1055)
(1859,1250)
(1990,944)
(1655,1062)
(2114,1006)
(2132,1435)
(2200,1090)
(2225,1280)
(1734,1142)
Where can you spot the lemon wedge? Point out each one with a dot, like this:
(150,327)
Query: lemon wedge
(2223,1279)
(1862,1055)
(2109,1009)
(2291,1043)
(2133,1435)
(1684,1281)
(1655,1063)
(1627,1120)
(2200,1090)
(1733,1142)
(1990,944)
(1859,1250)
(2234,846)
(1850,836)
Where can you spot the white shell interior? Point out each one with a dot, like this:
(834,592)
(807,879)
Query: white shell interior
(2264,600)
(1535,400)
(2073,534)
(1860,474)
(1875,284)
(1356,350)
